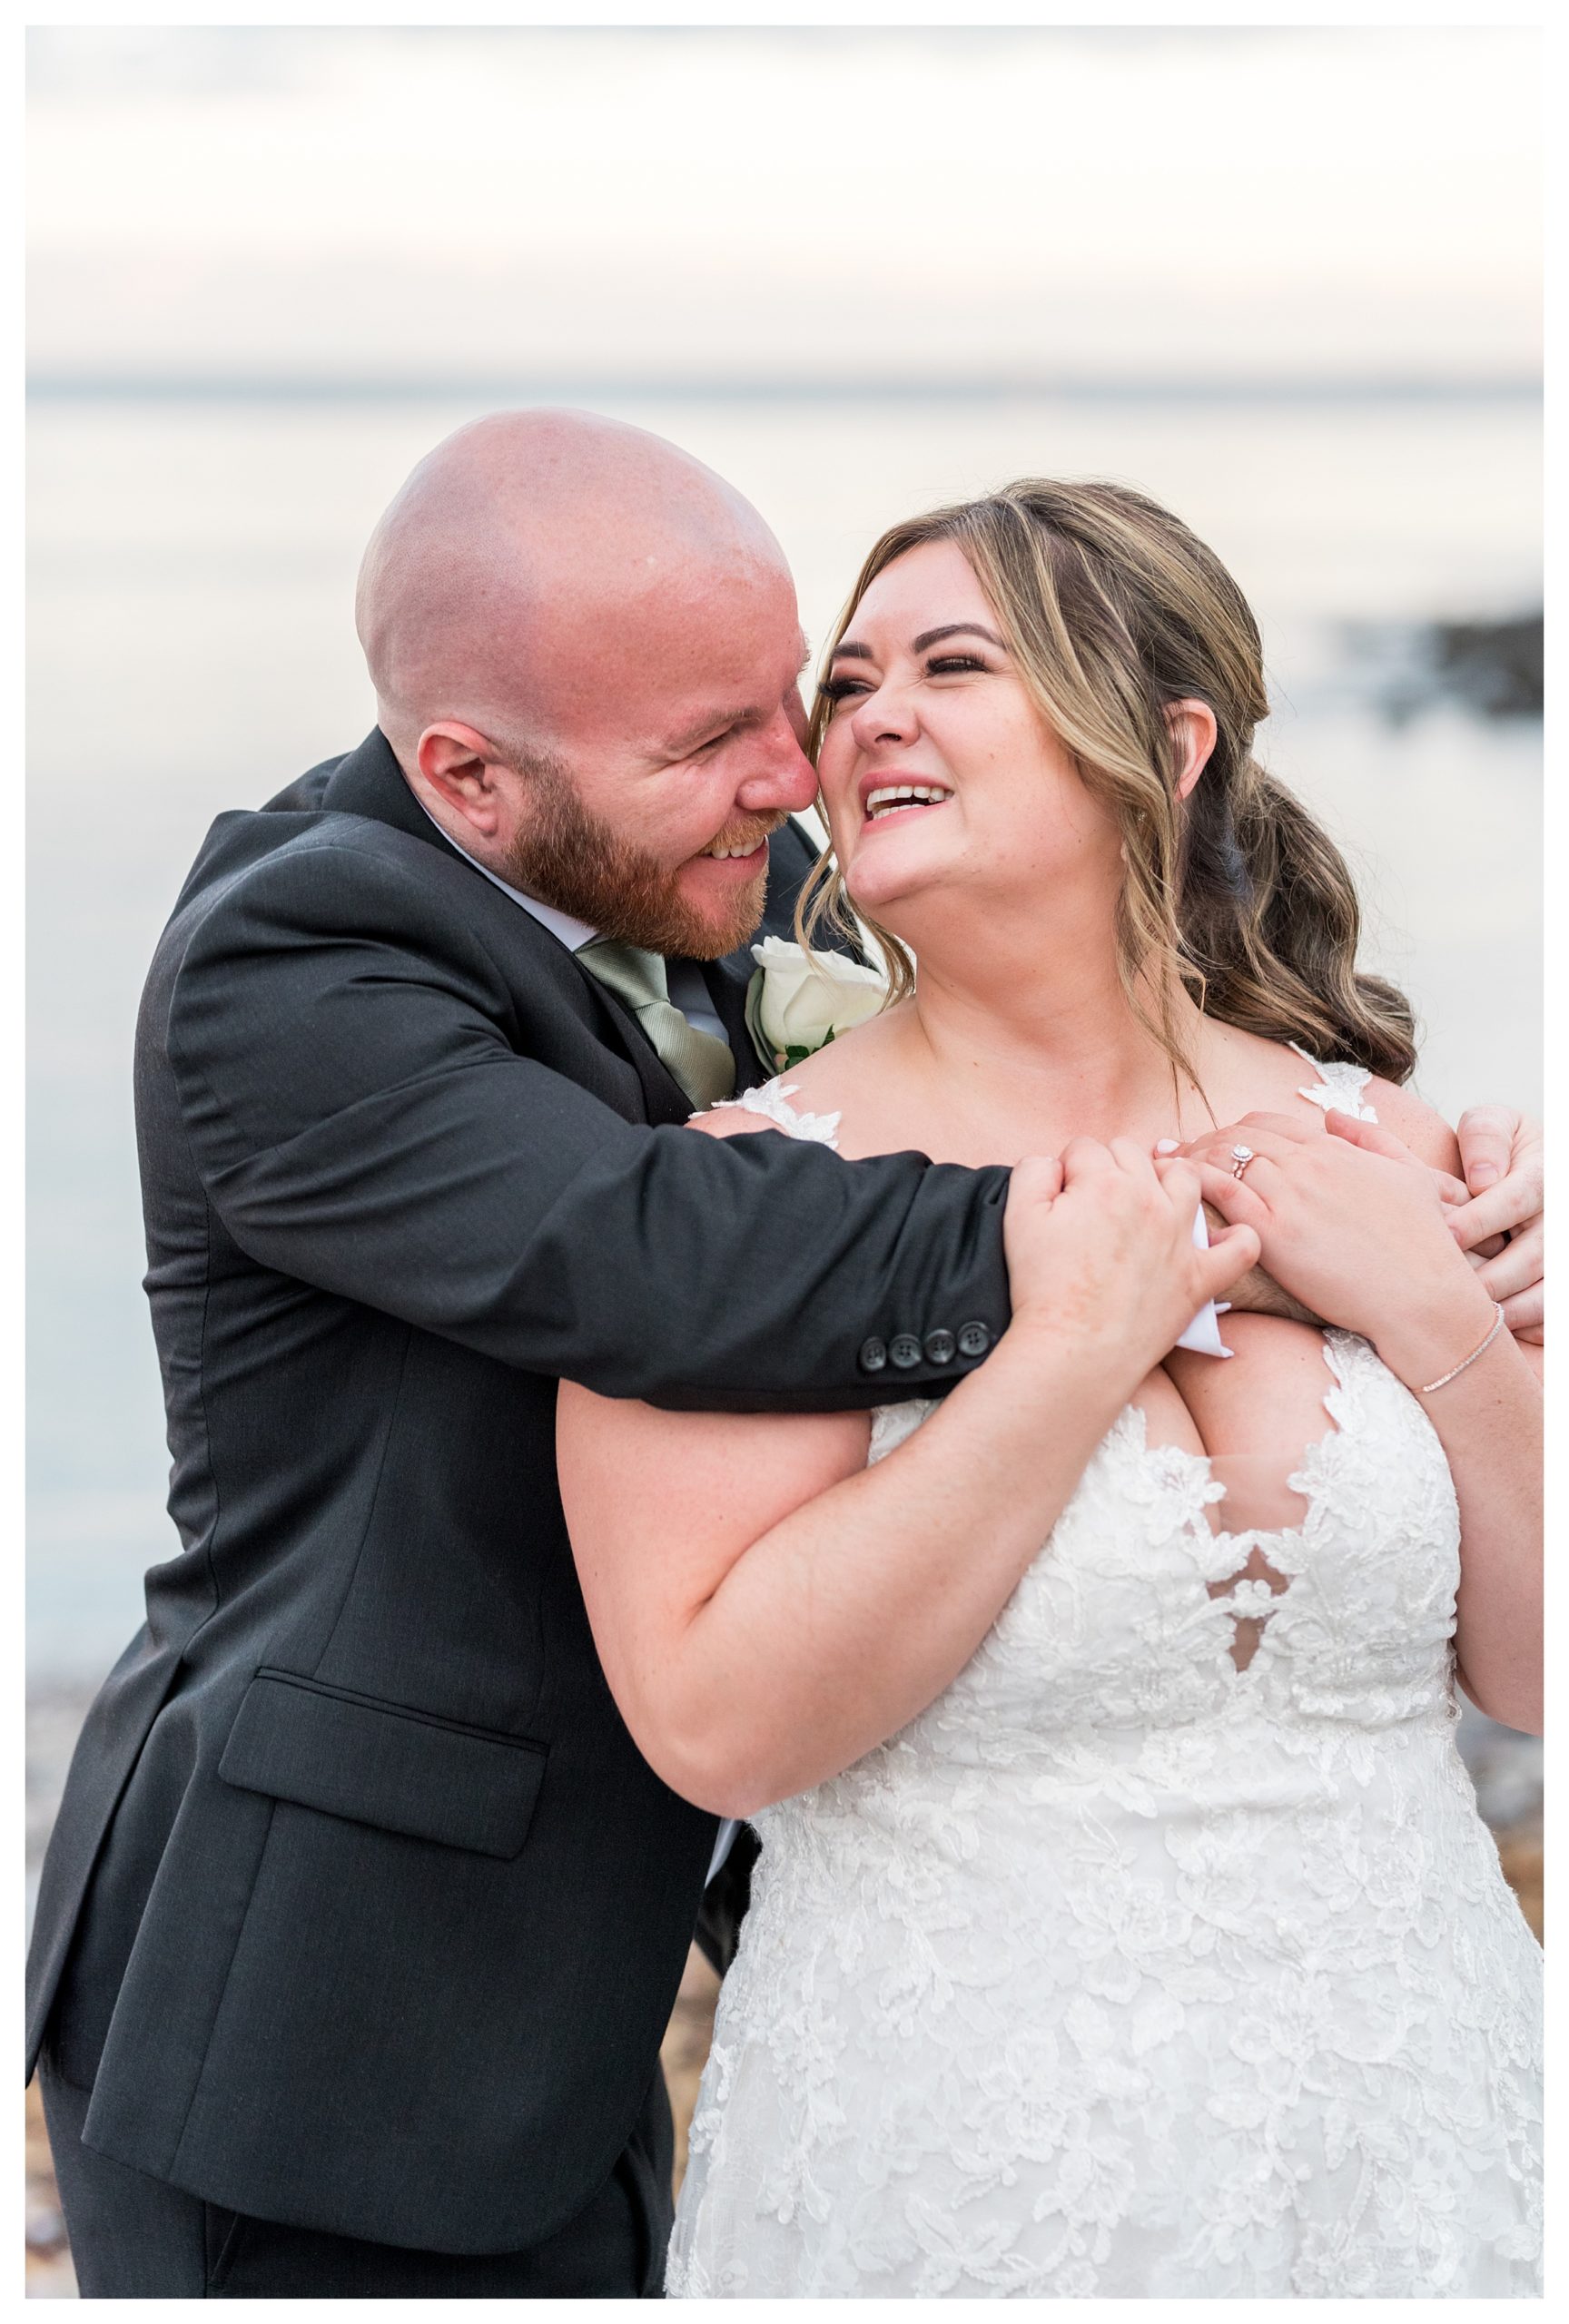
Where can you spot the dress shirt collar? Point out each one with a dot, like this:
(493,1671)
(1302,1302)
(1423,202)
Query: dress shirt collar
(573,933)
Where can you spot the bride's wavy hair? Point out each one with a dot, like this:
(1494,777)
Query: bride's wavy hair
(1114,610)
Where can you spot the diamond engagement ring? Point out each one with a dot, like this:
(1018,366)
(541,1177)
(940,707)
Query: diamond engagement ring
(1241,1157)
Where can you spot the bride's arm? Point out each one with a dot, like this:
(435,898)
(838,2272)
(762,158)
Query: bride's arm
(1358,1231)
(767,1609)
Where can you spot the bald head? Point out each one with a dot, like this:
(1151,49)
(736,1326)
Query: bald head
(526,555)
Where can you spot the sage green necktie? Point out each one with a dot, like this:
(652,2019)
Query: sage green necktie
(702,1065)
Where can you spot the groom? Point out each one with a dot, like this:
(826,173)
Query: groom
(362,1918)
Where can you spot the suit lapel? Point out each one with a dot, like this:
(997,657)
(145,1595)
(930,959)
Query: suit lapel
(369,782)
(727,981)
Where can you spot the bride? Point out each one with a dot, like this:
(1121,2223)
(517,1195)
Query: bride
(1124,1925)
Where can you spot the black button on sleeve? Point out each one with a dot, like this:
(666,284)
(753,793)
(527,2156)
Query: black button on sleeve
(904,1350)
(974,1339)
(874,1356)
(939,1346)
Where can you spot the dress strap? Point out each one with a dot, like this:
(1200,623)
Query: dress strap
(1340,1084)
(771,1101)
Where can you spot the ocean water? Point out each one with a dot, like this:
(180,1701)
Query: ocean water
(191,648)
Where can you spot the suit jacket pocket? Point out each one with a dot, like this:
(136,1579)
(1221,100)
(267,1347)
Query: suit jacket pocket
(376,1763)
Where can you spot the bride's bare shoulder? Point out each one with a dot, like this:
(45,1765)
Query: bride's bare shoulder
(1415,1124)
(1278,1076)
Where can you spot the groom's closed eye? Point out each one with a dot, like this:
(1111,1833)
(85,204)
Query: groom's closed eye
(707,733)
(723,735)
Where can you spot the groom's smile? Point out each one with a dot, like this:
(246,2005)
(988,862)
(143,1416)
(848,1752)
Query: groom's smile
(738,856)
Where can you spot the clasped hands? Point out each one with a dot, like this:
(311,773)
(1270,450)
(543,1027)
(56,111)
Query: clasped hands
(1352,1227)
(1336,1230)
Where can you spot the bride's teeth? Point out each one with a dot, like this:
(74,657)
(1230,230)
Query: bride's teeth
(898,795)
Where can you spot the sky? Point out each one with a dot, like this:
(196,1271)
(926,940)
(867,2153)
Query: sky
(741,205)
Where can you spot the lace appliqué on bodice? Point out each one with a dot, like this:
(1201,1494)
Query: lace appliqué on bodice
(771,1100)
(1122,1972)
(1339,1085)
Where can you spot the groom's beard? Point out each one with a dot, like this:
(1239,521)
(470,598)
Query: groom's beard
(570,860)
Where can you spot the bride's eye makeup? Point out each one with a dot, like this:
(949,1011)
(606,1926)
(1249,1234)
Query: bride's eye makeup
(938,665)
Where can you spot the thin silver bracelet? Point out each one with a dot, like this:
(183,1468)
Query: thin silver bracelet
(1470,1359)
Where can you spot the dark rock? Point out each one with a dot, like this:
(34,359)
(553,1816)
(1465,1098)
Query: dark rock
(1495,667)
(1492,668)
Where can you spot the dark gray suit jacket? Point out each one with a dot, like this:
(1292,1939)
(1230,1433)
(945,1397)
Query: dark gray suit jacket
(362,1911)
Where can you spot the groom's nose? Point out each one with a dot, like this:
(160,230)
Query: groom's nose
(780,773)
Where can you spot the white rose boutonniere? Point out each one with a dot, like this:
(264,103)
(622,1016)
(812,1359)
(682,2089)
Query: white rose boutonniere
(797,1000)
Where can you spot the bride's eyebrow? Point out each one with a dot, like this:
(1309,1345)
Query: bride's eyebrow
(859,652)
(955,629)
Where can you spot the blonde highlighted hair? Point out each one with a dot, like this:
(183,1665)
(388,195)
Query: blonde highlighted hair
(1114,610)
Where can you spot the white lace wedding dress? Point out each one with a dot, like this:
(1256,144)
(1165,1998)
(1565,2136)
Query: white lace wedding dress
(1122,1973)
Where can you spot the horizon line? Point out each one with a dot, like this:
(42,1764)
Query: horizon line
(237,387)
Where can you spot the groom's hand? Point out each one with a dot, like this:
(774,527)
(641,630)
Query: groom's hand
(1100,1247)
(1499,1221)
(1495,1213)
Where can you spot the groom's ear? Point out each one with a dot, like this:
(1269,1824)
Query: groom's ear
(1194,731)
(461,767)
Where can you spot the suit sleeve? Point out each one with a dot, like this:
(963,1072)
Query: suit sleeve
(365,1117)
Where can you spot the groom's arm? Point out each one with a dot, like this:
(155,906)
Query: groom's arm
(350,1081)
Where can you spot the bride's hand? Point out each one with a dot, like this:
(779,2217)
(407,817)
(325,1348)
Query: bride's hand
(1100,1248)
(1259,1293)
(1453,1192)
(1356,1227)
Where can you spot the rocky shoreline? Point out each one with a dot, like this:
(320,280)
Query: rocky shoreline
(1494,669)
